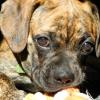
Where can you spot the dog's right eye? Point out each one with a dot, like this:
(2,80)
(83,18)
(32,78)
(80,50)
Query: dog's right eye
(87,46)
(43,41)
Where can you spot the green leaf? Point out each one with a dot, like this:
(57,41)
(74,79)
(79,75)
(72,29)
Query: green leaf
(19,69)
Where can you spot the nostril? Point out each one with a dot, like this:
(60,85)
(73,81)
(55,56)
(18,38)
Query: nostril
(64,80)
(63,76)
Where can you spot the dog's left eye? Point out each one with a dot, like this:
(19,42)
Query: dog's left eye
(86,48)
(43,41)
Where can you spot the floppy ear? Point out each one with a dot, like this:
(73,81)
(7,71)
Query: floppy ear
(93,10)
(16,15)
(97,47)
(96,27)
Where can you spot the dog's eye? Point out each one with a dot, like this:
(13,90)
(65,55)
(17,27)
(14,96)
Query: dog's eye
(86,48)
(43,41)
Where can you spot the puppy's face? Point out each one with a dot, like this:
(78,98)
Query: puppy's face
(60,31)
(59,35)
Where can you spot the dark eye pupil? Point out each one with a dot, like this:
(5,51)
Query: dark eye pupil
(86,48)
(43,41)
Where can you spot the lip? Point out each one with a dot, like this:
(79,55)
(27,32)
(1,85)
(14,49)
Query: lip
(53,86)
(47,83)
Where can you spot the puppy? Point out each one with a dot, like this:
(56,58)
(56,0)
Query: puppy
(49,38)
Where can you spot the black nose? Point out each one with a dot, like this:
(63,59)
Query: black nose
(64,76)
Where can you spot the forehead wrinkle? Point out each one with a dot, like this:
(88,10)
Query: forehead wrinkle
(53,19)
(90,24)
(71,6)
(77,26)
(60,24)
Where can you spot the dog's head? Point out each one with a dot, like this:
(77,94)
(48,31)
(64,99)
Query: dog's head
(53,34)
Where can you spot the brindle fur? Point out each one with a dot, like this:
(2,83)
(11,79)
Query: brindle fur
(64,22)
(8,90)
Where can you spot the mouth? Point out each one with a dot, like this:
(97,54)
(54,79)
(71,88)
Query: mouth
(50,85)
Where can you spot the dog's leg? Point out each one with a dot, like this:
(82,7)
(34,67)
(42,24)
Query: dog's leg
(8,90)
